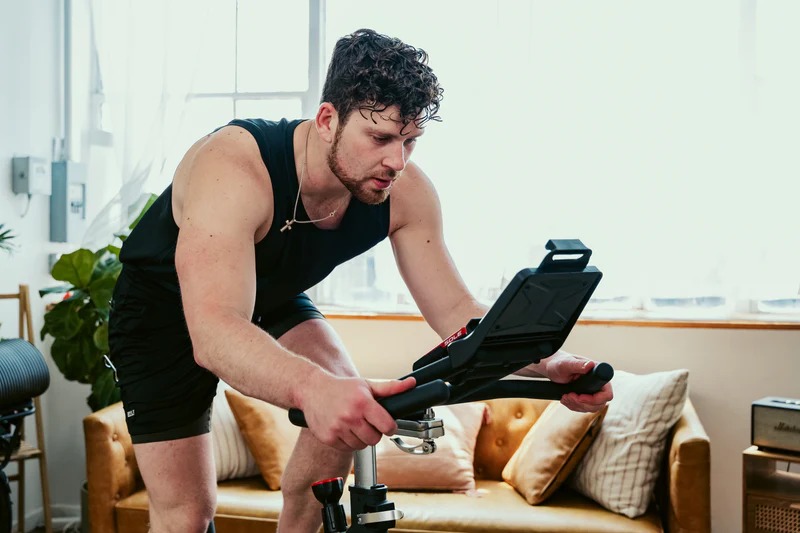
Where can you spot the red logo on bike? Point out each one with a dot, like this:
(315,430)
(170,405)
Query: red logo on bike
(458,334)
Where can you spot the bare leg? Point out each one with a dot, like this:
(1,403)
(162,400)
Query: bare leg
(181,483)
(312,460)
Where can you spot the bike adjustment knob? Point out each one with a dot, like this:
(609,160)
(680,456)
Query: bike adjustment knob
(329,492)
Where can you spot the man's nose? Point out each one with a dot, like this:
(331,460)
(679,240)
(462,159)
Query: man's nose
(396,159)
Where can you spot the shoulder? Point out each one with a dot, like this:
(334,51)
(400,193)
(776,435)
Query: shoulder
(234,144)
(414,199)
(224,164)
(230,155)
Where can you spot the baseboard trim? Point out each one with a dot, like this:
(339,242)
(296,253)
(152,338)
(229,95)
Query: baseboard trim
(63,517)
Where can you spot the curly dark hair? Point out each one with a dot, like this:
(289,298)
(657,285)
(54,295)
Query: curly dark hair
(371,71)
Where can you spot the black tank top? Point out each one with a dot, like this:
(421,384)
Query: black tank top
(287,263)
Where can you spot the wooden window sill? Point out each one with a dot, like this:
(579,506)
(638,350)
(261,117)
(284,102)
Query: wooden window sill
(627,322)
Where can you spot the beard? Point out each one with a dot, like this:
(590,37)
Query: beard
(359,188)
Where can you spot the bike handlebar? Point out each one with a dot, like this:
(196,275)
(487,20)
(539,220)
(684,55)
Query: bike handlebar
(438,393)
(408,402)
(589,383)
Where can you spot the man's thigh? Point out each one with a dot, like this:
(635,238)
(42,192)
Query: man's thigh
(316,340)
(179,474)
(300,328)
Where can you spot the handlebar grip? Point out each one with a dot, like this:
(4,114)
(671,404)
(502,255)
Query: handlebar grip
(589,383)
(593,381)
(417,399)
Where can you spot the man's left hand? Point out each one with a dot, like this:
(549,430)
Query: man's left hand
(565,368)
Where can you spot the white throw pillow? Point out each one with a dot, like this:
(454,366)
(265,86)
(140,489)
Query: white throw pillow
(621,468)
(232,457)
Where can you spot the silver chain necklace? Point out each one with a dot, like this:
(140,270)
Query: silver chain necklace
(289,223)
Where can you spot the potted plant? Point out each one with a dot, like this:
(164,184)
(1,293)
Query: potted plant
(5,237)
(79,322)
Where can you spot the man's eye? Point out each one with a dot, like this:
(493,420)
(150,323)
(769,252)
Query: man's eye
(409,142)
(381,139)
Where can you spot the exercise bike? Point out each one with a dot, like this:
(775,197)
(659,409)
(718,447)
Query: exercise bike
(528,322)
(23,376)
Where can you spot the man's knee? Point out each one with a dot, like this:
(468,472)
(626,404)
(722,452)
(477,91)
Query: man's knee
(317,340)
(311,462)
(194,517)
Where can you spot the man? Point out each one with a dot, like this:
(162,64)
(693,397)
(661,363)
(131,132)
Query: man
(214,273)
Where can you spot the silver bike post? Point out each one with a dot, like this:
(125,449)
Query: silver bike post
(366,468)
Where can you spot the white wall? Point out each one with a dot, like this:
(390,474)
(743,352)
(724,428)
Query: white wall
(30,109)
(729,369)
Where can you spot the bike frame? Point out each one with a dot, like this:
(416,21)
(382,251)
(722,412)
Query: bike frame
(10,425)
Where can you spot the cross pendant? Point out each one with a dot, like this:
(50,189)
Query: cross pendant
(287,226)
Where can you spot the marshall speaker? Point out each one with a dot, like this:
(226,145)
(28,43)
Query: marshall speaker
(775,424)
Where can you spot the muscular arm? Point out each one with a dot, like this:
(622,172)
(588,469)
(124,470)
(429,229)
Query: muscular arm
(227,199)
(423,259)
(426,265)
(442,296)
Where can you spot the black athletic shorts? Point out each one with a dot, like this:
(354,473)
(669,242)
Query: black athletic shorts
(165,393)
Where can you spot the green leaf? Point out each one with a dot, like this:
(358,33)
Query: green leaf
(113,249)
(153,198)
(100,338)
(59,351)
(6,236)
(104,391)
(107,265)
(101,291)
(57,289)
(90,356)
(88,315)
(75,268)
(68,355)
(63,320)
(103,313)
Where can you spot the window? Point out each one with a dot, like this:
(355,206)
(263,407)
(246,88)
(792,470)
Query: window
(259,63)
(664,136)
(636,128)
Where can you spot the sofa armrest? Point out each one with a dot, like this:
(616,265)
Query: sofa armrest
(684,488)
(111,470)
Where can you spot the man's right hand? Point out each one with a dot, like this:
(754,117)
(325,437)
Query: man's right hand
(344,413)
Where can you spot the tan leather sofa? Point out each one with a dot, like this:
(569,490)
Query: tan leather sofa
(118,501)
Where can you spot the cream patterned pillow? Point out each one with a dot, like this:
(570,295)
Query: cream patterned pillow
(620,469)
(232,457)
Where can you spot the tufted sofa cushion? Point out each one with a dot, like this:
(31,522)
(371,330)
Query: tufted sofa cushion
(509,421)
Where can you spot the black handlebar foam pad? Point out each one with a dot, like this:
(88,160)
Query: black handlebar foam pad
(23,372)
(414,400)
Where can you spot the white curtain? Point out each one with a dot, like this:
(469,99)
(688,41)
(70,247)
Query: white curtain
(147,54)
(636,127)
(662,134)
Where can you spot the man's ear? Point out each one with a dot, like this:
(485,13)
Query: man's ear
(327,122)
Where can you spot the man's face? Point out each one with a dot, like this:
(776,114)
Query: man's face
(369,156)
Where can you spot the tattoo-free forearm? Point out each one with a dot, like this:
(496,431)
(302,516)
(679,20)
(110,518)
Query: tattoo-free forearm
(457,317)
(250,360)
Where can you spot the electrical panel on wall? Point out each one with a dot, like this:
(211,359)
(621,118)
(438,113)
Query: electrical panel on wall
(68,202)
(30,175)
